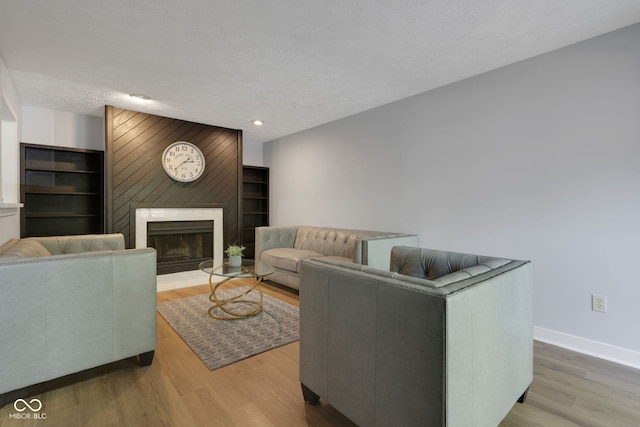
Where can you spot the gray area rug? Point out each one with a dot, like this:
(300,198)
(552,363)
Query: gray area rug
(221,342)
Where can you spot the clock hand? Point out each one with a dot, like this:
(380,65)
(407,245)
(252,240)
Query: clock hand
(187,160)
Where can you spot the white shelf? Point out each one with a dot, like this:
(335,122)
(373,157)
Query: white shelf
(8,209)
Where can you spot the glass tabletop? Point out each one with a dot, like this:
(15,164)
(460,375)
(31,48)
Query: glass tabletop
(248,269)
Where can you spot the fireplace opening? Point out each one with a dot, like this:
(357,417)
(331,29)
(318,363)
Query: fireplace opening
(180,245)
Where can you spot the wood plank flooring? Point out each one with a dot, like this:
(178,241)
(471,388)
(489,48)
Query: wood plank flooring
(569,389)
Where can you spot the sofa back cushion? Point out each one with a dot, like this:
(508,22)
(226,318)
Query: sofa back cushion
(24,248)
(331,241)
(434,264)
(59,245)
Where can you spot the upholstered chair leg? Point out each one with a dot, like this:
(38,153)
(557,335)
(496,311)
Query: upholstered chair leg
(524,396)
(21,393)
(146,358)
(308,395)
(6,398)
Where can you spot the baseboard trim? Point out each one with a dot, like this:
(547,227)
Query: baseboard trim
(597,349)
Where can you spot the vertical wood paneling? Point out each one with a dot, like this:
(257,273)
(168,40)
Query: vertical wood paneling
(135,142)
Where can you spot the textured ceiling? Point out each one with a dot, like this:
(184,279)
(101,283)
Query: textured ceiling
(294,64)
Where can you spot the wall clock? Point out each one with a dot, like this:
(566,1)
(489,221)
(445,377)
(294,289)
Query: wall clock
(183,161)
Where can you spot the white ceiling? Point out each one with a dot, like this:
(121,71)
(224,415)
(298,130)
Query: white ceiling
(294,64)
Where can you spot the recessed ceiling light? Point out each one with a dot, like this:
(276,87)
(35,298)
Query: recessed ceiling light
(257,122)
(139,96)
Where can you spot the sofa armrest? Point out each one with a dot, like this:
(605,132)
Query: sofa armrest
(274,237)
(134,302)
(376,251)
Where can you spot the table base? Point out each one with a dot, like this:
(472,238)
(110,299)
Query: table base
(226,305)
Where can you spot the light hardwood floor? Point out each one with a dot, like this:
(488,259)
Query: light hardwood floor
(569,389)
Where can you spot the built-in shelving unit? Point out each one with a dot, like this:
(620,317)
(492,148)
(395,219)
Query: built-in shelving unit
(62,190)
(255,204)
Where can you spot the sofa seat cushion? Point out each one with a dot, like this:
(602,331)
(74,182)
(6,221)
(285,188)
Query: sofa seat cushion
(26,248)
(287,258)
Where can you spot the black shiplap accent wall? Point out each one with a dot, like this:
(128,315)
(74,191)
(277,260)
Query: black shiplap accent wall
(134,174)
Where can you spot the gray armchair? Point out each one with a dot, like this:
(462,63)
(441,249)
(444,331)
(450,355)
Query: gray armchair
(443,339)
(71,303)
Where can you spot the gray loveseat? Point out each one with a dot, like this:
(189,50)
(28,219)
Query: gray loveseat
(284,247)
(443,339)
(71,303)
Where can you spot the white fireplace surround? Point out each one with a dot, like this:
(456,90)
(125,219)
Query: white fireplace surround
(178,280)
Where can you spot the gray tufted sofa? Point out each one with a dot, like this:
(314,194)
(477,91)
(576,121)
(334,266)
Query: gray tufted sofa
(284,247)
(71,303)
(443,339)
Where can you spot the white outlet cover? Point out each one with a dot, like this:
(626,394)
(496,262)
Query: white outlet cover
(599,303)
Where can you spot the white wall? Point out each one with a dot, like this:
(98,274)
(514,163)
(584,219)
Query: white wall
(9,138)
(539,160)
(252,154)
(52,127)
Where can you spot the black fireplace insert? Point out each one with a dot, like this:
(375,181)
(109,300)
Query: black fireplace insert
(180,245)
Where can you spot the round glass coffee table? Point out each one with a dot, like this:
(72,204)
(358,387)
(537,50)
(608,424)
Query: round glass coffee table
(239,305)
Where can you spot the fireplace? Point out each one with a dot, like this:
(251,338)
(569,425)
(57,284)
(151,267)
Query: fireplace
(180,245)
(182,237)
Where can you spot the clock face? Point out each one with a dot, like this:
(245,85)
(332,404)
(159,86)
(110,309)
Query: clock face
(183,161)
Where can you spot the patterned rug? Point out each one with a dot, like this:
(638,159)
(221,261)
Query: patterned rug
(221,342)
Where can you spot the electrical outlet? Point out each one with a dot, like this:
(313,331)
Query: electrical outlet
(599,303)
